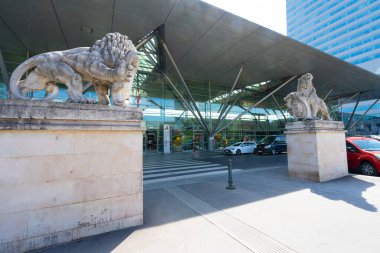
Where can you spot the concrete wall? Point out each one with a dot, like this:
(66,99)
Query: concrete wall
(61,185)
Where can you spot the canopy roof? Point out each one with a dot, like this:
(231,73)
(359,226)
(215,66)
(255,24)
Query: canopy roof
(207,43)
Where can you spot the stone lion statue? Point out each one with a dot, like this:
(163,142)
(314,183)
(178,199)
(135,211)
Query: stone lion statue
(110,65)
(305,103)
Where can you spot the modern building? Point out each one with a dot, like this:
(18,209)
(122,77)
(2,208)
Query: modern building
(209,75)
(349,30)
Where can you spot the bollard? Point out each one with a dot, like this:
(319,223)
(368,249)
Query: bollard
(230,186)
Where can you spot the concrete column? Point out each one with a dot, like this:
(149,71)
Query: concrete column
(211,143)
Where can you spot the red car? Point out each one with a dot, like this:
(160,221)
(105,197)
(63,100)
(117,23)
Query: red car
(363,154)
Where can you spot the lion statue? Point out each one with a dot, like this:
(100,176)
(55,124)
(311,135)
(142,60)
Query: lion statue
(305,103)
(110,65)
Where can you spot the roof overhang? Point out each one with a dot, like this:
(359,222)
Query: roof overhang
(207,43)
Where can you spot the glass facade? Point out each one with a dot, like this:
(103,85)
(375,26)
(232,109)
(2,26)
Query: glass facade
(349,30)
(161,105)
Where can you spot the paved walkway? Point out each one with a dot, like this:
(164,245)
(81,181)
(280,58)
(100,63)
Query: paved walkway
(268,212)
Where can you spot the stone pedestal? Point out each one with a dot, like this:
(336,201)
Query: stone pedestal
(67,171)
(316,150)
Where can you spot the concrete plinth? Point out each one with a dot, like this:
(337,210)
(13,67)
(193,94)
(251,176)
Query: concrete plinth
(316,150)
(67,171)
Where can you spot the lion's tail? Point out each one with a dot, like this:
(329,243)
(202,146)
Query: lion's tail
(20,71)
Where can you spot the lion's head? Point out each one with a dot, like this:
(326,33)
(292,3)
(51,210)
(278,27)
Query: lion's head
(115,48)
(305,80)
(117,52)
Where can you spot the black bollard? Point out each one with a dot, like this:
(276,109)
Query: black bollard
(230,186)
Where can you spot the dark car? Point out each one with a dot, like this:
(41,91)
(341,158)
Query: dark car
(363,154)
(272,144)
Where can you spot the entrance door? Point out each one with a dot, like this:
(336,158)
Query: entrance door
(198,139)
(151,140)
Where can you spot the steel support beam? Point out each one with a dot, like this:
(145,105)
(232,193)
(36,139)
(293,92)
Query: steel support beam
(184,84)
(229,95)
(328,94)
(279,108)
(156,104)
(333,113)
(353,112)
(209,104)
(254,116)
(4,71)
(87,86)
(226,113)
(151,60)
(185,102)
(345,101)
(220,108)
(363,114)
(140,44)
(145,40)
(261,100)
(266,112)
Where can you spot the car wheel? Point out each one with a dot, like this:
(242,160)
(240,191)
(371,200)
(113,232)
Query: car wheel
(368,169)
(255,151)
(238,152)
(273,152)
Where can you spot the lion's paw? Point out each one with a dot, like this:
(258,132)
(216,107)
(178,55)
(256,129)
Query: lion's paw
(90,101)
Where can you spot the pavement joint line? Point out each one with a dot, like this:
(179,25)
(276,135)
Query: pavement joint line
(196,175)
(147,167)
(180,172)
(163,163)
(248,236)
(212,173)
(262,169)
(178,168)
(170,161)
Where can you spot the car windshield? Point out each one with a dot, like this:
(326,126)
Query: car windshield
(267,140)
(367,144)
(236,144)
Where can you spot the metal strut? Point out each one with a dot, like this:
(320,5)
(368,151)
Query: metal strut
(185,85)
(353,112)
(4,72)
(348,127)
(261,100)
(225,105)
(184,101)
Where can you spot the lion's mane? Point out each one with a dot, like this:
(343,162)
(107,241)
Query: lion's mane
(113,48)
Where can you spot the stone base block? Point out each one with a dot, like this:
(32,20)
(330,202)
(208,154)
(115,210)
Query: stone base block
(67,171)
(316,150)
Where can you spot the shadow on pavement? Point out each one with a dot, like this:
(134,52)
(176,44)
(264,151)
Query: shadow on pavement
(351,195)
(161,207)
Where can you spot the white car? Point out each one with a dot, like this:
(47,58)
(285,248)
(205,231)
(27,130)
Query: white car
(247,147)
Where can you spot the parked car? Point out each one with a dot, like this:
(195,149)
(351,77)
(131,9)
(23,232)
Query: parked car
(376,137)
(272,144)
(363,154)
(245,147)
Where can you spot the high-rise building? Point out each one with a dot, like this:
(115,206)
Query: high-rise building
(349,29)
